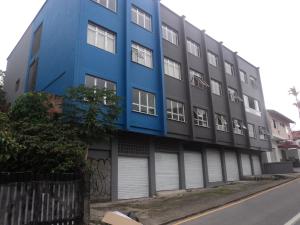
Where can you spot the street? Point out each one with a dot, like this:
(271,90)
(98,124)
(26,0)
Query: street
(280,206)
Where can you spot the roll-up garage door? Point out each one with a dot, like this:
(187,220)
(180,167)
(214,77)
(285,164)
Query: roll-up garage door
(256,165)
(133,178)
(232,168)
(214,166)
(246,165)
(193,170)
(166,171)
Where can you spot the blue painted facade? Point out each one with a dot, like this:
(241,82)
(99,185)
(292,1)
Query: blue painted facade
(65,57)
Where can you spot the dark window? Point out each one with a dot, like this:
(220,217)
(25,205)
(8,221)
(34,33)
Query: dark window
(32,76)
(37,40)
(17,86)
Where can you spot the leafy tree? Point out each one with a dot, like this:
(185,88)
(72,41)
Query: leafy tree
(93,111)
(293,91)
(3,104)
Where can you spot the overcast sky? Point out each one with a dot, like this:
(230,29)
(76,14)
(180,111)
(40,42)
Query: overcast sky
(264,32)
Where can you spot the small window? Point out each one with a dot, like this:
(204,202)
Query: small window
(197,79)
(101,84)
(101,38)
(200,117)
(252,105)
(172,68)
(243,76)
(33,70)
(175,111)
(263,134)
(274,124)
(37,40)
(109,4)
(238,127)
(17,85)
(251,130)
(253,81)
(229,69)
(233,95)
(212,59)
(143,102)
(193,48)
(216,87)
(221,123)
(141,55)
(169,34)
(141,18)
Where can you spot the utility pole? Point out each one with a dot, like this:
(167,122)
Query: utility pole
(293,91)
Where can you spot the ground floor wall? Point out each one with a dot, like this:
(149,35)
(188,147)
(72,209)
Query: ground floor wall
(136,166)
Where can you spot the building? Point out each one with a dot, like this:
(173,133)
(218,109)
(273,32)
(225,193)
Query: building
(193,110)
(281,137)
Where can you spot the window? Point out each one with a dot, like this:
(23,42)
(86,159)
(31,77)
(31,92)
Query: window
(37,40)
(216,87)
(251,130)
(32,76)
(143,102)
(175,111)
(243,76)
(233,95)
(200,117)
(253,81)
(197,79)
(238,127)
(193,48)
(172,68)
(98,83)
(263,134)
(169,34)
(17,85)
(221,123)
(274,124)
(101,38)
(212,59)
(229,69)
(110,4)
(252,105)
(141,55)
(141,18)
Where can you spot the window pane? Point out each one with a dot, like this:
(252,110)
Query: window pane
(134,15)
(151,100)
(111,45)
(89,81)
(112,5)
(91,39)
(135,96)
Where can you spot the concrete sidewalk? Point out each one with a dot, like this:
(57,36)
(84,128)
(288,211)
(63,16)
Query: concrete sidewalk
(165,209)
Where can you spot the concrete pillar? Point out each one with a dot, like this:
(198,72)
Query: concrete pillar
(114,169)
(181,168)
(252,166)
(205,168)
(152,169)
(239,159)
(224,171)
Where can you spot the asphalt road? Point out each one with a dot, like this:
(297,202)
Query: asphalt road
(276,207)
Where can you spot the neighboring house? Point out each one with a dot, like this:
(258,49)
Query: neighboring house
(281,136)
(193,111)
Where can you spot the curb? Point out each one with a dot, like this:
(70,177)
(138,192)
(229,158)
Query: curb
(230,202)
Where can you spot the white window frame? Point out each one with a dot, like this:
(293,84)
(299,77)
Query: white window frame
(197,79)
(253,81)
(193,48)
(223,126)
(172,68)
(141,18)
(180,117)
(212,59)
(150,110)
(251,130)
(243,76)
(199,117)
(229,69)
(106,34)
(141,55)
(262,133)
(170,35)
(238,127)
(256,111)
(233,95)
(216,87)
(105,3)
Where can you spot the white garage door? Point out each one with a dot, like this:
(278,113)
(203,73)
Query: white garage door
(214,166)
(232,168)
(193,170)
(133,178)
(256,165)
(246,165)
(166,171)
